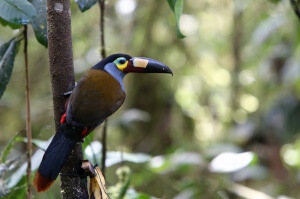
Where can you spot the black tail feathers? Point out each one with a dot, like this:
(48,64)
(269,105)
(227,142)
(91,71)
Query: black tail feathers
(58,151)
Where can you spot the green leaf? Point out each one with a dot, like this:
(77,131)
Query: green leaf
(87,140)
(39,22)
(172,4)
(85,4)
(124,188)
(8,52)
(17,11)
(6,23)
(8,148)
(177,7)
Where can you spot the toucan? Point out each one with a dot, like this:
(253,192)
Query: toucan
(98,94)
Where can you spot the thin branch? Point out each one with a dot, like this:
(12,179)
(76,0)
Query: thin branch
(28,119)
(104,132)
(102,36)
(237,34)
(103,55)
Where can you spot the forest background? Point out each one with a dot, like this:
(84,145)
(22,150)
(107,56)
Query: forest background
(224,126)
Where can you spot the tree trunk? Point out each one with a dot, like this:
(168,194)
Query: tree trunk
(62,79)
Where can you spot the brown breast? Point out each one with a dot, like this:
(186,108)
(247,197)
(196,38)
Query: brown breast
(96,96)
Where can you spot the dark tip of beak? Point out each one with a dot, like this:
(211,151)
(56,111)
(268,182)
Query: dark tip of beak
(168,70)
(154,66)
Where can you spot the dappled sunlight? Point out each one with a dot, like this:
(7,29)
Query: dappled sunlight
(188,24)
(290,154)
(225,125)
(125,7)
(249,102)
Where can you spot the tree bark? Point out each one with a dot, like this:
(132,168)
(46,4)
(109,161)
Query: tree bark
(62,80)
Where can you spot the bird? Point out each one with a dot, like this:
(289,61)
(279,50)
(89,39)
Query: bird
(96,96)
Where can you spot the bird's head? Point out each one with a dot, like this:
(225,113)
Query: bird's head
(127,64)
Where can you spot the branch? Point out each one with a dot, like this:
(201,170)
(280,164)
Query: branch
(62,80)
(102,12)
(28,119)
(103,55)
(237,34)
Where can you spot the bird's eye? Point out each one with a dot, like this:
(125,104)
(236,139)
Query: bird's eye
(122,61)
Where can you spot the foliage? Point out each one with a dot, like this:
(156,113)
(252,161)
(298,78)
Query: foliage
(182,127)
(177,7)
(8,52)
(16,11)
(39,22)
(84,5)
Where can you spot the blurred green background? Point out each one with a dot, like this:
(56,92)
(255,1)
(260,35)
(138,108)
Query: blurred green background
(224,126)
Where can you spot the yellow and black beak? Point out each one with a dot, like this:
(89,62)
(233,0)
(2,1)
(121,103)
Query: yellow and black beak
(146,65)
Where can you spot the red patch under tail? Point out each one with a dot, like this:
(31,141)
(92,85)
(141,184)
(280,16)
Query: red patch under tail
(63,118)
(42,183)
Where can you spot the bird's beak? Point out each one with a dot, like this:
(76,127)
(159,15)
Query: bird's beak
(146,65)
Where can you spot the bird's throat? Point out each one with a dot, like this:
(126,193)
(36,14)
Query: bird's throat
(117,74)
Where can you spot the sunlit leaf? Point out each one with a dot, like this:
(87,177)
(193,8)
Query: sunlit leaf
(39,22)
(42,144)
(115,157)
(230,162)
(17,11)
(8,52)
(177,7)
(93,152)
(165,163)
(85,4)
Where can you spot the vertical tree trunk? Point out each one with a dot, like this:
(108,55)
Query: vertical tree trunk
(62,79)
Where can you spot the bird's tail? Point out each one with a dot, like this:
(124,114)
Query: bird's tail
(55,156)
